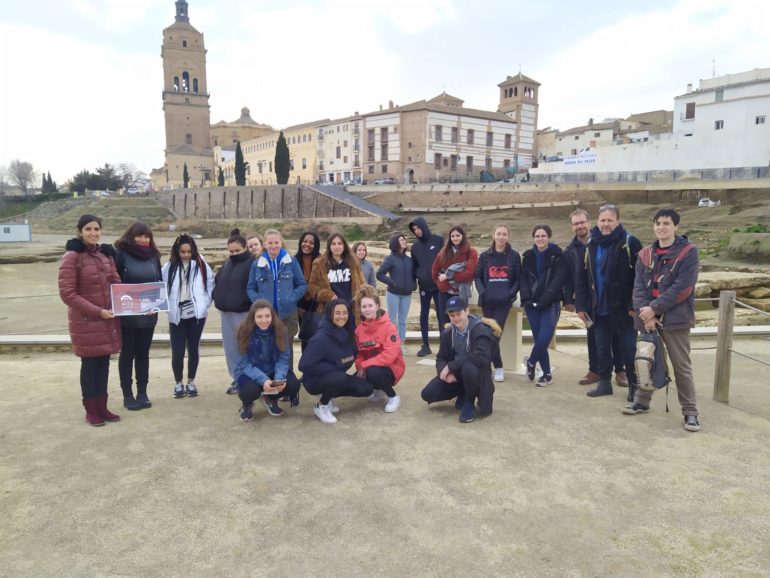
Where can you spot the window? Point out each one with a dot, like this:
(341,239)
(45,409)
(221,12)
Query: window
(176,84)
(188,138)
(470,136)
(370,157)
(185,81)
(453,160)
(184,43)
(384,169)
(304,138)
(356,161)
(454,134)
(384,152)
(437,160)
(439,132)
(490,139)
(573,152)
(577,137)
(469,165)
(370,135)
(304,163)
(719,95)
(356,145)
(760,120)
(371,169)
(488,163)
(291,164)
(345,143)
(338,152)
(507,141)
(384,133)
(597,134)
(689,110)
(507,163)
(719,124)
(445,162)
(6,230)
(195,86)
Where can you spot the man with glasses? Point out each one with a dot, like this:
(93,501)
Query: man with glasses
(604,294)
(575,254)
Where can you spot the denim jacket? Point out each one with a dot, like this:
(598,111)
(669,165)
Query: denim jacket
(291,283)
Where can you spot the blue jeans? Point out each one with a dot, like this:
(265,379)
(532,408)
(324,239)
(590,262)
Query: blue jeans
(398,309)
(543,324)
(605,330)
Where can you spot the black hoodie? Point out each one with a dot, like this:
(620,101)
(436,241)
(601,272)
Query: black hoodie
(424,251)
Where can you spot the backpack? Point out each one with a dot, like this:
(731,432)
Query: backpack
(650,363)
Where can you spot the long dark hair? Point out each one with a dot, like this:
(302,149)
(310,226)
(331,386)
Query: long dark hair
(346,255)
(126,240)
(316,245)
(247,326)
(446,252)
(175,260)
(350,326)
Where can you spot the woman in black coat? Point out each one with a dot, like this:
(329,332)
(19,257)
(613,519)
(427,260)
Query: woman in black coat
(543,275)
(138,261)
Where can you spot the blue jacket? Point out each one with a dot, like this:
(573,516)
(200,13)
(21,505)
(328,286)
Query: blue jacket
(331,349)
(291,283)
(262,360)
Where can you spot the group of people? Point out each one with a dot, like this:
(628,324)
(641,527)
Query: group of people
(266,296)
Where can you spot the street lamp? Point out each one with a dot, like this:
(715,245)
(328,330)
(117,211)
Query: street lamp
(201,167)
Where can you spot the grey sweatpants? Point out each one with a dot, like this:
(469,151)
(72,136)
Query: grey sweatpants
(677,347)
(230,322)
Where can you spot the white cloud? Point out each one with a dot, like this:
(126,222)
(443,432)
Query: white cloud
(114,15)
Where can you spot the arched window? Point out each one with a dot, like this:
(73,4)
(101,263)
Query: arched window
(185,81)
(515,90)
(195,86)
(176,84)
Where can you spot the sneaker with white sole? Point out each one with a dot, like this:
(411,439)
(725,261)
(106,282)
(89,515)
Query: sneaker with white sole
(691,423)
(393,404)
(271,404)
(333,406)
(178,391)
(246,413)
(323,413)
(545,380)
(232,389)
(499,374)
(191,390)
(377,395)
(530,369)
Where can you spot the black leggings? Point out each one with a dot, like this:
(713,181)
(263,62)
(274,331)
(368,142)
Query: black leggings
(425,299)
(94,375)
(186,335)
(470,385)
(338,384)
(135,352)
(381,378)
(251,390)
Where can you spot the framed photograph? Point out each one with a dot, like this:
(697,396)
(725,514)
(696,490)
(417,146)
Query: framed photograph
(138,298)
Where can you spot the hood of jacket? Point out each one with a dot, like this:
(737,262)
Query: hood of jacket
(423,224)
(77,245)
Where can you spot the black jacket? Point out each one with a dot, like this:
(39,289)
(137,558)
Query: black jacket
(397,271)
(555,275)
(497,276)
(620,284)
(332,348)
(230,284)
(134,269)
(574,255)
(424,251)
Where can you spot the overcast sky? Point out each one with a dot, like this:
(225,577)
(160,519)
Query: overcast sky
(81,80)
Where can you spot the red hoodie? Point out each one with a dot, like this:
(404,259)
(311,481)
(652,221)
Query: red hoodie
(379,345)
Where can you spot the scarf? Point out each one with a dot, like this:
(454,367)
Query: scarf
(606,250)
(140,252)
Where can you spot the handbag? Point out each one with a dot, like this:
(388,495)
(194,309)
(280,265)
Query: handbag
(310,322)
(186,309)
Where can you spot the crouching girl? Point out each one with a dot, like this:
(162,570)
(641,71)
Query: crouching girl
(263,371)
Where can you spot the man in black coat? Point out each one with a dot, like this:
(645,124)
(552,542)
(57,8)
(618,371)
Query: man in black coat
(604,295)
(424,251)
(464,362)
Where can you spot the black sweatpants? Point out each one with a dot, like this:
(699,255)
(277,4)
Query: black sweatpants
(381,378)
(339,384)
(250,391)
(94,375)
(186,335)
(468,386)
(499,313)
(135,354)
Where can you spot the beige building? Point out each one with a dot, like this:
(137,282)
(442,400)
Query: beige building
(245,128)
(339,151)
(185,104)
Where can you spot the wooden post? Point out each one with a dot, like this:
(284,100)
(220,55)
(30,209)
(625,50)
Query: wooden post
(724,346)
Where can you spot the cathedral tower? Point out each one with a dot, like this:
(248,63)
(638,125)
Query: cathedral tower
(186,102)
(518,99)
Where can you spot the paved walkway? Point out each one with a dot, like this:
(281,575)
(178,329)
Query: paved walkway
(552,484)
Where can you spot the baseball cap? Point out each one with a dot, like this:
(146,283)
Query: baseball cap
(456,304)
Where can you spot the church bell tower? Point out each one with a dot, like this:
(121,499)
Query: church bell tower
(186,103)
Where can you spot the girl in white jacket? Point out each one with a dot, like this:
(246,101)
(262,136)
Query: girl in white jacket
(190,283)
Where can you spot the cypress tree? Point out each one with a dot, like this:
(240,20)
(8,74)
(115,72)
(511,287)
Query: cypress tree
(185,176)
(282,160)
(221,178)
(240,166)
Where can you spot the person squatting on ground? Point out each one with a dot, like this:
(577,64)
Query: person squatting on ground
(464,361)
(138,261)
(575,255)
(263,371)
(232,300)
(380,360)
(190,283)
(497,282)
(424,251)
(397,272)
(326,359)
(664,296)
(604,292)
(454,269)
(367,269)
(544,272)
(277,278)
(86,271)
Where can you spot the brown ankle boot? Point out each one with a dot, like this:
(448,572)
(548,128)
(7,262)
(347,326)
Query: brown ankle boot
(93,415)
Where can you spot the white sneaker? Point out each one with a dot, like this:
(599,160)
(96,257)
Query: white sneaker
(322,412)
(377,395)
(393,404)
(404,350)
(333,406)
(499,374)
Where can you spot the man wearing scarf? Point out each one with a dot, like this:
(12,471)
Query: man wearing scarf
(604,293)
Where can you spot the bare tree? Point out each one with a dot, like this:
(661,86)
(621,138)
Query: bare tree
(23,173)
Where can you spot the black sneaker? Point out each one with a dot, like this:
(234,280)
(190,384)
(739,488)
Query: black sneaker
(468,412)
(272,405)
(634,408)
(530,369)
(545,380)
(691,423)
(143,401)
(424,350)
(246,413)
